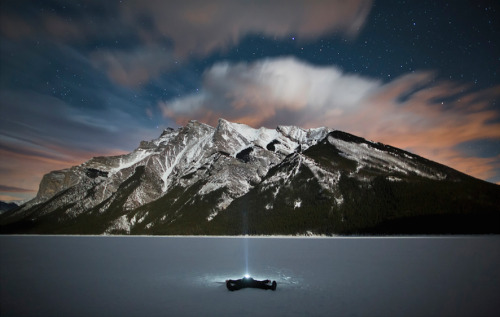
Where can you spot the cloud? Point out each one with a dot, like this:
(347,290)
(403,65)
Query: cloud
(257,92)
(14,26)
(9,198)
(201,27)
(11,189)
(204,26)
(24,163)
(42,133)
(133,67)
(414,112)
(151,34)
(58,112)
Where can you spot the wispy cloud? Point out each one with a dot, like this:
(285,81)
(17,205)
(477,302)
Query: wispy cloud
(215,24)
(414,112)
(159,32)
(77,21)
(41,133)
(135,67)
(12,189)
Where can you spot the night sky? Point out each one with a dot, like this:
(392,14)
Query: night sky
(86,78)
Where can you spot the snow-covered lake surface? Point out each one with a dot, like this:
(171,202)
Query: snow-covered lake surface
(184,276)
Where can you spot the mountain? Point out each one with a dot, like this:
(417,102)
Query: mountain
(7,206)
(233,179)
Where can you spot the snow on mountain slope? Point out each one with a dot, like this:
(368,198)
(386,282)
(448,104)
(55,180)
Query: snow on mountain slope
(367,155)
(224,162)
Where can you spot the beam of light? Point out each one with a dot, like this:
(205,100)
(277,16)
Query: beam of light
(245,251)
(244,215)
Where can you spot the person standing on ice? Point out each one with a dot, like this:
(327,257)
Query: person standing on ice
(234,285)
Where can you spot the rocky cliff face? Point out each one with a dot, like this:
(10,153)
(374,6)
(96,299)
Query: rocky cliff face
(195,178)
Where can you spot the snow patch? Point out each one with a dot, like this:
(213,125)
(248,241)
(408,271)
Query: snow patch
(191,153)
(339,200)
(366,155)
(276,192)
(224,201)
(135,219)
(120,224)
(212,215)
(326,179)
(261,136)
(408,156)
(393,179)
(129,160)
(297,203)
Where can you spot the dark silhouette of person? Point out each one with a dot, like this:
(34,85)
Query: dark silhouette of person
(234,285)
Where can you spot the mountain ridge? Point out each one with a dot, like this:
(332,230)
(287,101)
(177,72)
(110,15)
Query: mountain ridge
(6,206)
(234,179)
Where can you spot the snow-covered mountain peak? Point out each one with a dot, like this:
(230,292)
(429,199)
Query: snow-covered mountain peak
(303,136)
(242,136)
(230,138)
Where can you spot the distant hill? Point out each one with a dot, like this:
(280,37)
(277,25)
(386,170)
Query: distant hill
(7,206)
(232,179)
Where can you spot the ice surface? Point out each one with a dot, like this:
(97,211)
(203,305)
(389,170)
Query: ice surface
(160,276)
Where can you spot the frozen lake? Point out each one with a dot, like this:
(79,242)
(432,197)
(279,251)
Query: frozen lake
(173,276)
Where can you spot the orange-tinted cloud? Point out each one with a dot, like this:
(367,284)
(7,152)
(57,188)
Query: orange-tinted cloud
(434,128)
(9,198)
(255,93)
